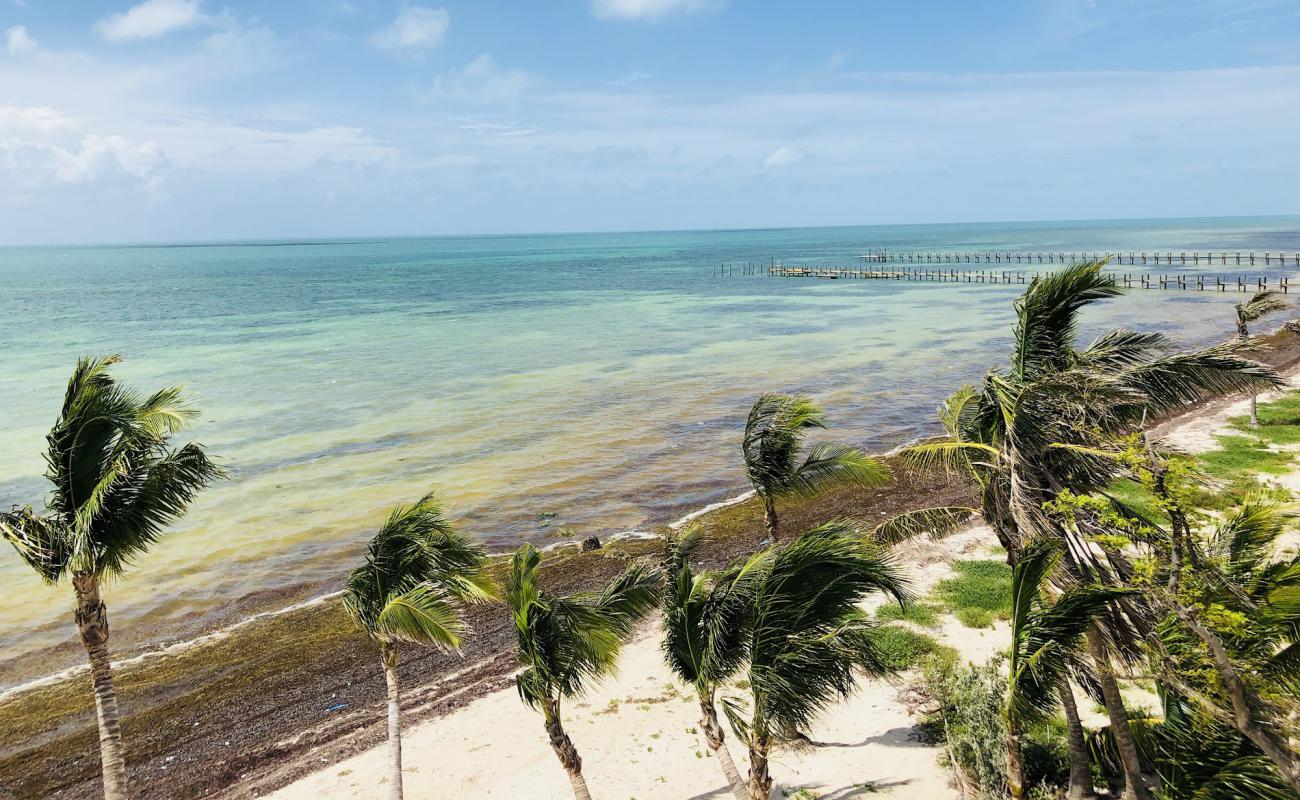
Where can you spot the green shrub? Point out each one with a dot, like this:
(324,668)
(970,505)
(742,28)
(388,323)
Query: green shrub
(969,720)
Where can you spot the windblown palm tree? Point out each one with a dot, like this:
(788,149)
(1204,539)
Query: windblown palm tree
(700,650)
(566,641)
(1256,308)
(418,571)
(804,633)
(117,484)
(1047,645)
(777,466)
(1234,614)
(1037,427)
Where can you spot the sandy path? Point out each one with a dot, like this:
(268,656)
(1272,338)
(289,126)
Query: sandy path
(637,733)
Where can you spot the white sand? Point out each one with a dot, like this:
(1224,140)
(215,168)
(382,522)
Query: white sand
(636,733)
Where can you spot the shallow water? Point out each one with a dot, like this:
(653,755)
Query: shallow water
(593,381)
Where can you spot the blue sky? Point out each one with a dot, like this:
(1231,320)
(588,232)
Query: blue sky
(198,119)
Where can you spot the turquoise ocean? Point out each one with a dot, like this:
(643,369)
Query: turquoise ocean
(592,382)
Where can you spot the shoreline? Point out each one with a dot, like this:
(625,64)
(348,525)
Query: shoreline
(253,706)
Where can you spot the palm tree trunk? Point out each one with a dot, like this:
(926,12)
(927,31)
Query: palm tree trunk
(92,624)
(1254,410)
(760,779)
(390,657)
(1135,780)
(769,519)
(564,750)
(1081,787)
(715,737)
(1015,762)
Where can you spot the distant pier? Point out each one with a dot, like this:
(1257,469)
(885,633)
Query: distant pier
(1169,258)
(895,268)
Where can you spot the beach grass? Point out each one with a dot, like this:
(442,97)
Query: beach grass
(978,594)
(902,648)
(921,613)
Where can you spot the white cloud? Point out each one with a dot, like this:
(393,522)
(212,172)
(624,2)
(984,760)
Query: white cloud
(785,156)
(19,42)
(414,29)
(649,10)
(34,118)
(151,19)
(482,81)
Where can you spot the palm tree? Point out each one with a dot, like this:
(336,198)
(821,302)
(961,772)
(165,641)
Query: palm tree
(117,484)
(1036,428)
(804,633)
(1258,307)
(566,641)
(1235,573)
(418,570)
(1047,639)
(700,651)
(774,459)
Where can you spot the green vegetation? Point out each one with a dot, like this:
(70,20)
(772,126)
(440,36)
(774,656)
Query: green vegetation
(921,613)
(978,594)
(901,648)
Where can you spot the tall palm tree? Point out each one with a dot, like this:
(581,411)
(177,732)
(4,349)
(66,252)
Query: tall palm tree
(776,464)
(1046,646)
(566,641)
(117,484)
(804,633)
(418,571)
(1257,307)
(698,650)
(1035,428)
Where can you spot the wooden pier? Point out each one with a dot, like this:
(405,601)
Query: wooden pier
(1169,258)
(1181,281)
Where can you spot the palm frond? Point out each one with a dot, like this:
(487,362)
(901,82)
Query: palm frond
(426,614)
(829,464)
(1122,348)
(807,634)
(1046,317)
(936,523)
(1261,304)
(38,540)
(950,455)
(1170,383)
(418,571)
(566,642)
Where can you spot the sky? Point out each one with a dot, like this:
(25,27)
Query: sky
(172,120)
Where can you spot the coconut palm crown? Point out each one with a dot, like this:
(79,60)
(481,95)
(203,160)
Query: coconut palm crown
(117,484)
(805,636)
(418,569)
(418,572)
(775,461)
(565,642)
